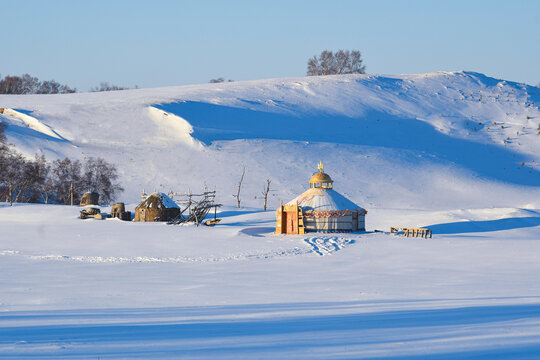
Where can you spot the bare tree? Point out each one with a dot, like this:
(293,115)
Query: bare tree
(341,62)
(265,192)
(29,178)
(11,85)
(27,84)
(240,186)
(219,80)
(67,183)
(3,145)
(105,86)
(356,65)
(101,177)
(341,59)
(43,183)
(30,84)
(327,63)
(11,176)
(313,66)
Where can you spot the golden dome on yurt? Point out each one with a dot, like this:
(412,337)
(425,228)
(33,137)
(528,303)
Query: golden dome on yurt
(321,179)
(320,209)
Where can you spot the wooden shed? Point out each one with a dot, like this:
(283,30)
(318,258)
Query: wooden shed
(157,207)
(320,209)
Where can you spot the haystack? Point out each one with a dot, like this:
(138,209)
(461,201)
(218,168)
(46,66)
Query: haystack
(157,207)
(90,198)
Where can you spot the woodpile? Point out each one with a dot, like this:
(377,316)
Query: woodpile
(411,232)
(92,212)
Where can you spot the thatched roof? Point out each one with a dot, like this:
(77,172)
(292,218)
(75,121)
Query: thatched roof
(158,201)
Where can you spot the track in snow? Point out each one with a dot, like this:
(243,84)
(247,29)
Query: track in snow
(323,245)
(151,259)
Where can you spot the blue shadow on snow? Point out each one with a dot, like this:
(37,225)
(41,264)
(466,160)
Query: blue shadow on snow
(215,122)
(485,226)
(402,326)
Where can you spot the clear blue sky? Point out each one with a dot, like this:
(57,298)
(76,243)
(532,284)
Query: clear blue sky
(161,43)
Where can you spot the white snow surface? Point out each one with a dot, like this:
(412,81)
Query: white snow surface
(456,152)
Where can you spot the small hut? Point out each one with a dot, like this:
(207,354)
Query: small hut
(90,198)
(157,207)
(320,209)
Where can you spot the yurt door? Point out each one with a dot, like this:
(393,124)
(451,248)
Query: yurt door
(292,223)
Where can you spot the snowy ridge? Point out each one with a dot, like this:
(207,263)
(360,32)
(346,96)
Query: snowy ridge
(462,135)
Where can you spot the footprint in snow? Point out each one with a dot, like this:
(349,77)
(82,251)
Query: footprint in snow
(327,245)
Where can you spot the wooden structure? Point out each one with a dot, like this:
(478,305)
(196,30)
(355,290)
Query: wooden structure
(92,212)
(90,198)
(335,221)
(290,220)
(320,209)
(118,211)
(157,207)
(196,208)
(411,232)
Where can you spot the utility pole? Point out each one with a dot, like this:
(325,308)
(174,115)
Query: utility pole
(71,193)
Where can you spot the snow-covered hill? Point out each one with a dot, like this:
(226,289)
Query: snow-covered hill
(444,139)
(455,152)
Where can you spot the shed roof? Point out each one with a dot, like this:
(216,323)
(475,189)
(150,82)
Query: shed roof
(158,200)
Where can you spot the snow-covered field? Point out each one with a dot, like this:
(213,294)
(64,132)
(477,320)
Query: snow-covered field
(442,150)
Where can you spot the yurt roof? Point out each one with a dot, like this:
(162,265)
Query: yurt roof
(316,199)
(158,200)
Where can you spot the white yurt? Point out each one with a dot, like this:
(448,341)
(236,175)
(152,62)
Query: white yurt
(320,209)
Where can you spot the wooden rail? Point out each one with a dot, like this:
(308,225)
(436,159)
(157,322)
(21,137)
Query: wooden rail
(411,232)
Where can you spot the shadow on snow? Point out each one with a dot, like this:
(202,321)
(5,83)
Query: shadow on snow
(215,122)
(485,226)
(207,336)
